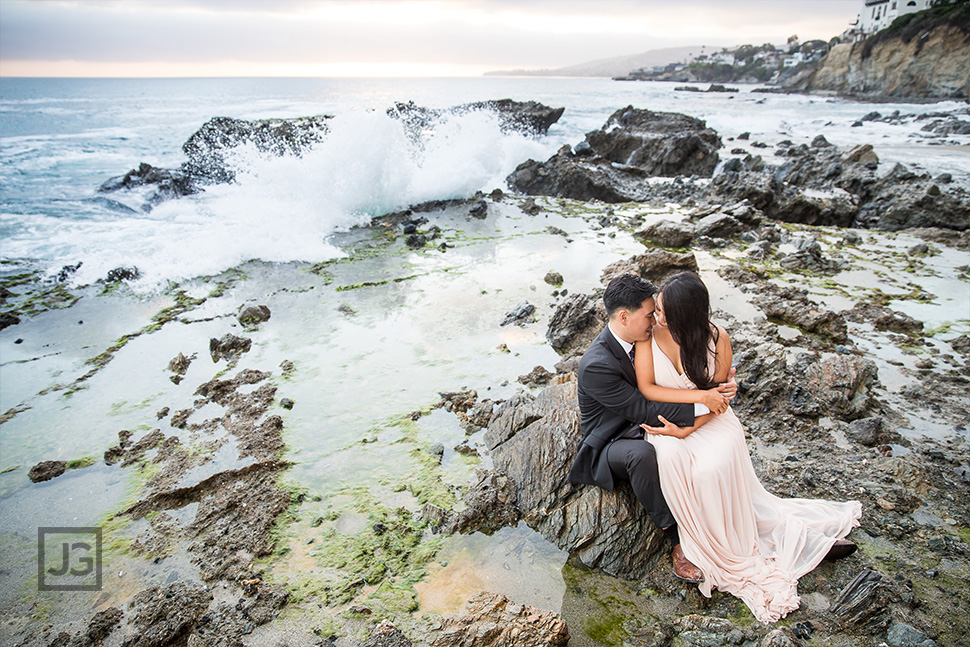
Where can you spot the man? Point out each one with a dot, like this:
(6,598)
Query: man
(611,410)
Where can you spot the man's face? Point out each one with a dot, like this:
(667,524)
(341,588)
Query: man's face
(640,322)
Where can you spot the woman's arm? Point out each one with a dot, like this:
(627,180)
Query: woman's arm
(723,356)
(647,384)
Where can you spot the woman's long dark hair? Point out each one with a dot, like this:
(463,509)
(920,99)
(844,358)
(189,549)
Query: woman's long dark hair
(687,309)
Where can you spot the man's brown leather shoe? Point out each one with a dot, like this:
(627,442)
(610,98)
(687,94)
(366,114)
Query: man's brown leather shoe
(684,569)
(841,548)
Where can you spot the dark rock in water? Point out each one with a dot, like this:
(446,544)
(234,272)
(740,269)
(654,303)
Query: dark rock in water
(567,176)
(167,184)
(527,117)
(7,319)
(123,274)
(632,145)
(209,152)
(606,530)
(436,449)
(253,315)
(493,620)
(479,210)
(490,504)
(537,377)
(717,225)
(820,142)
(653,265)
(872,116)
(229,347)
(520,315)
(46,470)
(553,278)
(286,403)
(660,143)
(68,271)
(209,148)
(179,364)
(416,241)
(530,207)
(666,233)
(575,322)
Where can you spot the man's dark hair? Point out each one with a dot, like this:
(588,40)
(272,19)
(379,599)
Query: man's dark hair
(627,291)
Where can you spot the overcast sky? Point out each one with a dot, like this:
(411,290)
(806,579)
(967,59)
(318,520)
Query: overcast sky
(379,37)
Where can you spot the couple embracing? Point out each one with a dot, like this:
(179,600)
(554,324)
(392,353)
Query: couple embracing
(654,397)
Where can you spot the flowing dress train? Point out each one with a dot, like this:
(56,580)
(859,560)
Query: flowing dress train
(747,541)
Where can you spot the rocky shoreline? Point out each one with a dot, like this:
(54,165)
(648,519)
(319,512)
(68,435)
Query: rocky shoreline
(819,421)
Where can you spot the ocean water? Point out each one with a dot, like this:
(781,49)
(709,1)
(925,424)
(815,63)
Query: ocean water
(61,138)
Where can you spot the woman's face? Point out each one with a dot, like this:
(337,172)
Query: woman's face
(661,319)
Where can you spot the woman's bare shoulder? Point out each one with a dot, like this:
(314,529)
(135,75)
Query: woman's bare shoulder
(722,335)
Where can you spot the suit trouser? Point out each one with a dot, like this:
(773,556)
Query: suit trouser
(635,460)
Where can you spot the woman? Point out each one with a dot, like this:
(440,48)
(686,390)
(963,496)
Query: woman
(746,541)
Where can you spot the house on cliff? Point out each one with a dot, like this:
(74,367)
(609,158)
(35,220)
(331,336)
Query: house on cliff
(876,15)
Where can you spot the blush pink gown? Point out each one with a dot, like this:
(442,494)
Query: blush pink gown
(747,541)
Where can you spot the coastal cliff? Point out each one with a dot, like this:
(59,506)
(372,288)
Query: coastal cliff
(918,62)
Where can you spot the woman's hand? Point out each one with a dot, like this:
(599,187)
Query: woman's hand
(670,429)
(715,400)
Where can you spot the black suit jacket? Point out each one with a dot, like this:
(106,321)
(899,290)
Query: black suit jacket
(609,405)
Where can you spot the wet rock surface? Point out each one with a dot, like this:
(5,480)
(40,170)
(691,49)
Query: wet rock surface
(533,441)
(816,184)
(46,470)
(612,163)
(492,620)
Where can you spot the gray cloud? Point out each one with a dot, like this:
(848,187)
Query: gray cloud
(255,31)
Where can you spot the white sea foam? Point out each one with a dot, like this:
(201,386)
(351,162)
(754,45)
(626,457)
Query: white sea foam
(283,209)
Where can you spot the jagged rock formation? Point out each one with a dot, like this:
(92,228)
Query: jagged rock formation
(611,163)
(933,62)
(534,441)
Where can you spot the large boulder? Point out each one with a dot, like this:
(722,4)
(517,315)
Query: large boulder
(659,143)
(612,163)
(666,233)
(606,530)
(843,385)
(209,148)
(653,265)
(575,322)
(567,175)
